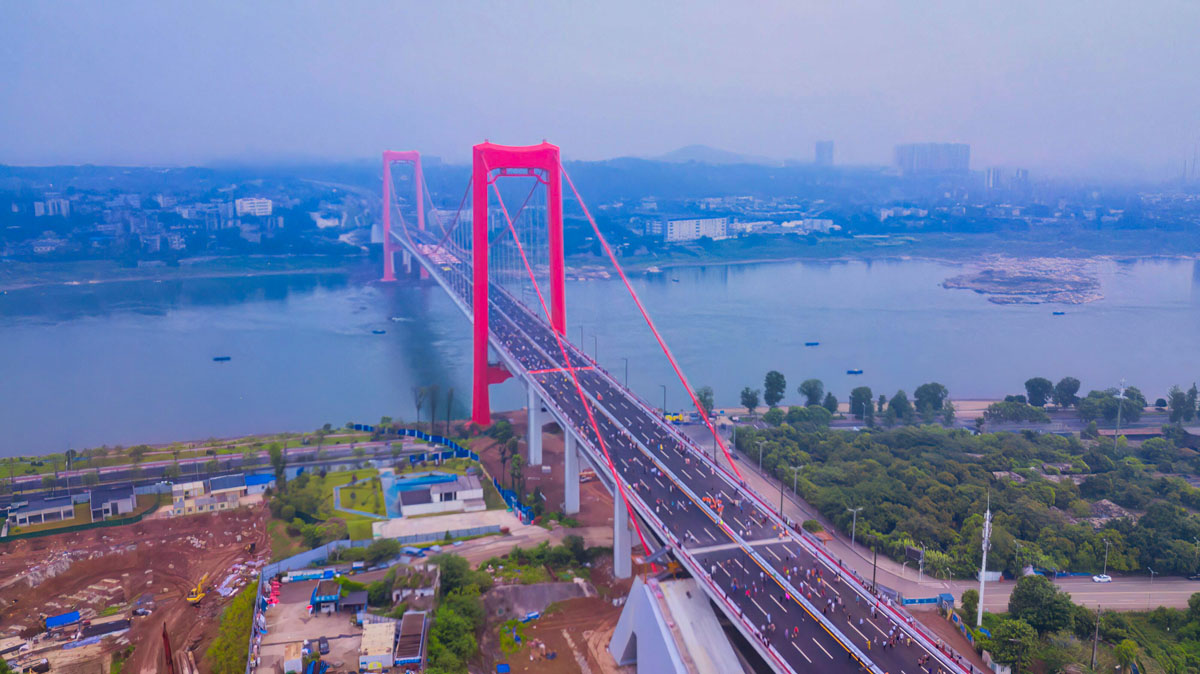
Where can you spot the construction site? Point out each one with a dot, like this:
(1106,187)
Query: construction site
(82,601)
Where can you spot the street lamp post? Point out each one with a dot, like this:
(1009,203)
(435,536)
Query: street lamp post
(854,523)
(781,497)
(626,372)
(760,453)
(1106,546)
(664,388)
(1120,404)
(596,348)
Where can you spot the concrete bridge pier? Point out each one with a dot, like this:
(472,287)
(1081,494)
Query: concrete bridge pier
(622,551)
(536,421)
(570,474)
(408,261)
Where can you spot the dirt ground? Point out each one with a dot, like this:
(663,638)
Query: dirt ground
(577,632)
(157,560)
(595,503)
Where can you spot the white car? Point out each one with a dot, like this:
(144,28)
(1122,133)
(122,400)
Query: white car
(1102,578)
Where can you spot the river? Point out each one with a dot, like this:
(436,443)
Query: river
(123,363)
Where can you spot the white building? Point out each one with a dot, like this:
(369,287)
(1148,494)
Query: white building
(695,228)
(253,206)
(376,651)
(463,494)
(810,225)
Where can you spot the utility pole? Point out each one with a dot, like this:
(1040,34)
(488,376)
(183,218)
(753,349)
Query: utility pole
(664,388)
(1106,546)
(1096,636)
(874,566)
(626,372)
(781,501)
(854,523)
(1120,404)
(921,564)
(987,544)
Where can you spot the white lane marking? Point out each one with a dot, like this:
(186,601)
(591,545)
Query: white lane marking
(777,603)
(814,640)
(802,653)
(772,553)
(760,608)
(851,624)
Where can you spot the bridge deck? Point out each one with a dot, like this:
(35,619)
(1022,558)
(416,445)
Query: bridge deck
(761,573)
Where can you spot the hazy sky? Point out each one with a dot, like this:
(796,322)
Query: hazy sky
(1059,86)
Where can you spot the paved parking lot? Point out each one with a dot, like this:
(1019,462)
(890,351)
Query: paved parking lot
(289,621)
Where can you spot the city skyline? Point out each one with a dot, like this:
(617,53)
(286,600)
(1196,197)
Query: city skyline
(1053,89)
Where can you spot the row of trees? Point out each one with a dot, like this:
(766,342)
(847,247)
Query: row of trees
(431,394)
(931,402)
(812,390)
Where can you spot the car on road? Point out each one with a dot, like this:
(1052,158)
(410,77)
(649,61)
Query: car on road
(323,646)
(1102,578)
(1194,576)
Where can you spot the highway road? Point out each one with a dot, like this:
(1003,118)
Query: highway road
(1125,593)
(803,609)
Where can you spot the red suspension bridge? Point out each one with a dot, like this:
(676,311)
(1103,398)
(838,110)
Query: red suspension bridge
(797,605)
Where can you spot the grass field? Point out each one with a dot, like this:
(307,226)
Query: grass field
(282,544)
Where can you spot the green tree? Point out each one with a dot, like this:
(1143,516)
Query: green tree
(970,604)
(227,654)
(1039,390)
(515,477)
(948,413)
(1012,642)
(750,399)
(508,449)
(931,396)
(860,401)
(773,416)
(1039,603)
(382,549)
(1065,390)
(455,572)
(279,463)
(830,403)
(704,395)
(881,404)
(1125,653)
(419,395)
(1190,410)
(774,386)
(1177,403)
(901,407)
(812,390)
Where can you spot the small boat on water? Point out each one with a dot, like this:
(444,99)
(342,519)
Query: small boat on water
(653,269)
(378,332)
(1058,313)
(854,371)
(812,344)
(674,280)
(222,359)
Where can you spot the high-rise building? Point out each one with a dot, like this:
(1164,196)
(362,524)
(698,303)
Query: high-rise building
(918,158)
(695,228)
(824,153)
(993,178)
(253,206)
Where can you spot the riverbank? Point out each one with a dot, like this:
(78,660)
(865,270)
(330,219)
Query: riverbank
(31,275)
(939,247)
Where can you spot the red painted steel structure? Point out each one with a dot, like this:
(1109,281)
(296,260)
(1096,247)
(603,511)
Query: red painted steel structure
(536,161)
(389,248)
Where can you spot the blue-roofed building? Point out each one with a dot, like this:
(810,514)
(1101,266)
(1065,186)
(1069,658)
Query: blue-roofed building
(226,484)
(112,502)
(42,510)
(257,483)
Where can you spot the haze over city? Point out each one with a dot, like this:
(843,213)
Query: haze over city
(1076,88)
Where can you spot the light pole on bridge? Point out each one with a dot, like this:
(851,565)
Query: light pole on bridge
(854,523)
(664,388)
(626,372)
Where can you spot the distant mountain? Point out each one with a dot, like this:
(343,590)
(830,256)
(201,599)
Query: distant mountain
(703,154)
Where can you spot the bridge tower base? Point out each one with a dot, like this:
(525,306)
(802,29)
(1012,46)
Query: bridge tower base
(570,474)
(622,551)
(536,421)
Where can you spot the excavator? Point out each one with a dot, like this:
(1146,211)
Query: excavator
(197,593)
